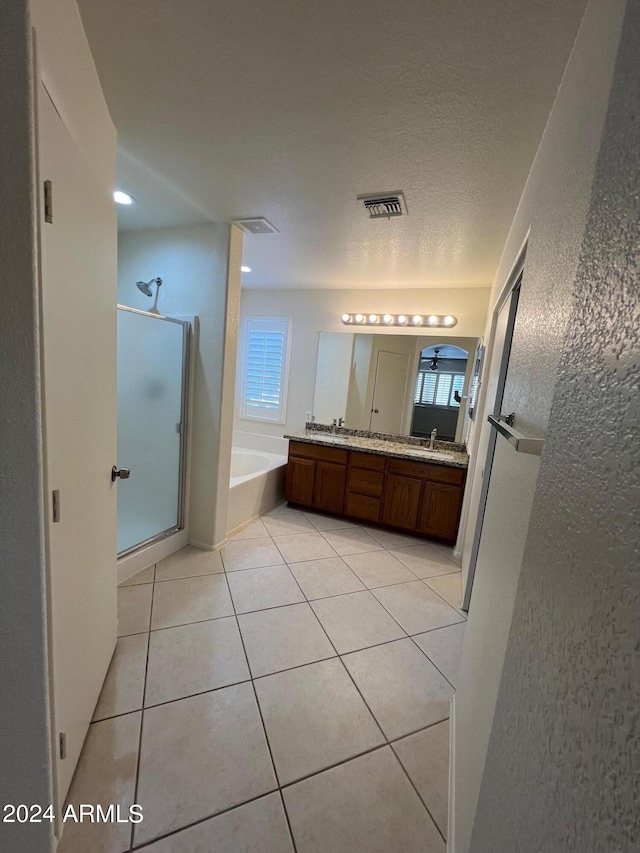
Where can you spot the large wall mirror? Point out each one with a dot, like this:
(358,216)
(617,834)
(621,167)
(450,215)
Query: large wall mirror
(404,384)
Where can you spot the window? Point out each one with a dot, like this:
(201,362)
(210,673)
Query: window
(265,368)
(437,389)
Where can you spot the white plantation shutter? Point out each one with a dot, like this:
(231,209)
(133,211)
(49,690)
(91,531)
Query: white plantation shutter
(265,368)
(436,389)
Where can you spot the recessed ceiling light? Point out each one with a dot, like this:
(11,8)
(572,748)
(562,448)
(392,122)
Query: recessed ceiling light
(121,197)
(245,269)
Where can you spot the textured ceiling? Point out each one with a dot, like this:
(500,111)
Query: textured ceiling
(291,108)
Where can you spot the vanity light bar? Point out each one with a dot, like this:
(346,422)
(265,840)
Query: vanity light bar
(408,320)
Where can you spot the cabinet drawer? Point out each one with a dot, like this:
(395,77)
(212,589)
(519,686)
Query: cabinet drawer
(369,461)
(361,506)
(437,473)
(365,482)
(316,451)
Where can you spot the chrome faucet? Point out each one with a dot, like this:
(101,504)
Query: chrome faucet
(434,433)
(340,421)
(334,424)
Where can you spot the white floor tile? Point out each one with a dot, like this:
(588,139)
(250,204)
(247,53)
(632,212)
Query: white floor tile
(425,757)
(145,576)
(444,648)
(106,774)
(416,607)
(260,825)
(250,554)
(188,562)
(351,541)
(300,547)
(253,530)
(321,578)
(449,587)
(258,589)
(123,687)
(190,600)
(401,686)
(424,561)
(364,806)
(193,658)
(286,523)
(200,756)
(391,539)
(355,621)
(314,718)
(134,609)
(328,522)
(283,638)
(379,568)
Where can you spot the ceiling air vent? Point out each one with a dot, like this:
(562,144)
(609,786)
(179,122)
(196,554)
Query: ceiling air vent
(384,205)
(256,225)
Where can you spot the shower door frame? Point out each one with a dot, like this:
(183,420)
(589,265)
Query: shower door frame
(184,430)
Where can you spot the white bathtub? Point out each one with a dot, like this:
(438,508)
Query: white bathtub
(256,484)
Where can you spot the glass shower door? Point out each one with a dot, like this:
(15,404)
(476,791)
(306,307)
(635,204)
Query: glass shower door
(152,355)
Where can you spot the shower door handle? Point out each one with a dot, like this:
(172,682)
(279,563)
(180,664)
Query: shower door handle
(123,473)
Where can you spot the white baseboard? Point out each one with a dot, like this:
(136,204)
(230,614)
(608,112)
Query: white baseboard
(139,560)
(451,843)
(205,546)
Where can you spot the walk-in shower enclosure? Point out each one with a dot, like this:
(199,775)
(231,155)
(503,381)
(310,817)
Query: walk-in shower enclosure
(153,353)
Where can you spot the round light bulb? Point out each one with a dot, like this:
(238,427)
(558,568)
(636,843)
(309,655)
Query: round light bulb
(417,320)
(121,197)
(345,318)
(402,318)
(448,320)
(433,320)
(387,318)
(373,318)
(245,269)
(359,318)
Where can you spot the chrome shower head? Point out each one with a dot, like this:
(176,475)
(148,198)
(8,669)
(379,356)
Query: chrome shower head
(145,286)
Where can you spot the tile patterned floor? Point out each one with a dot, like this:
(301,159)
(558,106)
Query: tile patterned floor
(290,693)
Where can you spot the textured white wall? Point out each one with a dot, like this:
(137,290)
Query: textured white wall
(561,770)
(314,311)
(552,212)
(193,263)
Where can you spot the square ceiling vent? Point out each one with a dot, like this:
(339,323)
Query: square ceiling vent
(384,205)
(256,225)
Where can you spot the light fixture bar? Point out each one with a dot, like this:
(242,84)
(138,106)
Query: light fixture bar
(413,321)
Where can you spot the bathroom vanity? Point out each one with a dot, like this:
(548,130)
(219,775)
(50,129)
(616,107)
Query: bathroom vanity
(374,479)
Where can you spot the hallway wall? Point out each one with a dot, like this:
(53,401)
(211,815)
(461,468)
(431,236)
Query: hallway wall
(551,216)
(561,768)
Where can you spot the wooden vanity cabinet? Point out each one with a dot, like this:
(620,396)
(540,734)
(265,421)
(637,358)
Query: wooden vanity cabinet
(412,496)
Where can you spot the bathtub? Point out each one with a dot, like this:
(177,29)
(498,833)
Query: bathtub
(256,484)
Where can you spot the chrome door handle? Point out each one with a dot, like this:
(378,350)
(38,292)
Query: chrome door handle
(123,473)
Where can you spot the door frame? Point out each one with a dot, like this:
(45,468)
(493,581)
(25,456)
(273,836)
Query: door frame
(474,512)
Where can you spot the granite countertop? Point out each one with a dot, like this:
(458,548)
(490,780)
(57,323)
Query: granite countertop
(444,453)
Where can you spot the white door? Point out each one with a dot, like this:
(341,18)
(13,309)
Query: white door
(78,339)
(387,406)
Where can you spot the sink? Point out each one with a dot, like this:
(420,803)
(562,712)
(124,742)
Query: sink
(431,454)
(340,439)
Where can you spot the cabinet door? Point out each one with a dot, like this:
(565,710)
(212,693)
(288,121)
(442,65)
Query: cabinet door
(328,491)
(440,510)
(402,502)
(300,477)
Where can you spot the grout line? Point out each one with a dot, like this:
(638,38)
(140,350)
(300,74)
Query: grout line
(201,820)
(189,577)
(288,820)
(144,690)
(411,782)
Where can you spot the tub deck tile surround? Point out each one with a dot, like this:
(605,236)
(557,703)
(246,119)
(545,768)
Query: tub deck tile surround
(287,707)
